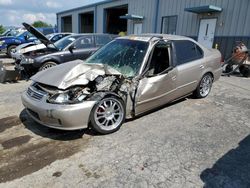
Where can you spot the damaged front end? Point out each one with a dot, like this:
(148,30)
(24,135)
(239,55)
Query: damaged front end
(93,84)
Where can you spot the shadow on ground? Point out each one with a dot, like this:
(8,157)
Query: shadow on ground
(52,133)
(232,170)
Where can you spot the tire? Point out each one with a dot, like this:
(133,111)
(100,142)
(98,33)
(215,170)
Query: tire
(47,65)
(245,70)
(204,87)
(9,50)
(107,115)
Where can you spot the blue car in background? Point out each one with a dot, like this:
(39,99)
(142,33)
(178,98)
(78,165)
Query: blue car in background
(8,43)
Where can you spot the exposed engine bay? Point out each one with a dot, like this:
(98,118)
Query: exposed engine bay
(95,90)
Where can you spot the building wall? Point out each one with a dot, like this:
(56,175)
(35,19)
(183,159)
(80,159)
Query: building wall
(145,8)
(232,22)
(75,18)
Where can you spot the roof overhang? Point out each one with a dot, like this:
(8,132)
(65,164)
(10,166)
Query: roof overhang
(132,17)
(204,9)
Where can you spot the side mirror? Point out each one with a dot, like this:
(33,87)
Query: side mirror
(71,48)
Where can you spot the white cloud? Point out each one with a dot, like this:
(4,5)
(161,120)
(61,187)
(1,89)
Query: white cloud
(32,17)
(51,4)
(6,2)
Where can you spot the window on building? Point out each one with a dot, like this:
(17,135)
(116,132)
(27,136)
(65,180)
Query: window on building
(169,24)
(187,51)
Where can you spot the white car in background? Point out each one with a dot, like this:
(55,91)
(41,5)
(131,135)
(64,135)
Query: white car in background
(18,52)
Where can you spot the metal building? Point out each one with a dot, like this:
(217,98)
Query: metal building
(210,22)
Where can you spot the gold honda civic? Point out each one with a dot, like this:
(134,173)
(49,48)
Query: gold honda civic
(127,77)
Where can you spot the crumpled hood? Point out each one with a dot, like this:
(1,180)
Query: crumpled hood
(72,73)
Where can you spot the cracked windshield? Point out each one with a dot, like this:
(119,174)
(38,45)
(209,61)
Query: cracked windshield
(124,55)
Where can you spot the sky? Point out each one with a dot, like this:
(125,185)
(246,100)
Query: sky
(15,12)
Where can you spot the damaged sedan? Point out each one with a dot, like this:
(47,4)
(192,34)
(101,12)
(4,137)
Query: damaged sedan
(125,78)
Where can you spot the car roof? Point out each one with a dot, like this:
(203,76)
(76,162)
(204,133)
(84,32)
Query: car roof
(148,36)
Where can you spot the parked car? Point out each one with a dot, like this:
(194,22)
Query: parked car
(8,43)
(78,46)
(11,42)
(9,32)
(27,48)
(125,78)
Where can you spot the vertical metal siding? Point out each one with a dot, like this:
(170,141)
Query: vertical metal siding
(145,8)
(232,21)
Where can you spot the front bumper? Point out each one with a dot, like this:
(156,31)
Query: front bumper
(16,55)
(64,117)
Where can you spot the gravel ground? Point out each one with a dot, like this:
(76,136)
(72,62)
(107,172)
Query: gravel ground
(191,143)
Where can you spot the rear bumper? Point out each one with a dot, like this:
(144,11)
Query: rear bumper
(217,73)
(64,117)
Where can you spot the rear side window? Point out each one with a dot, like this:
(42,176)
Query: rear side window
(187,51)
(102,40)
(84,42)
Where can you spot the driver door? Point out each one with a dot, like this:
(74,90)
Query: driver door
(159,84)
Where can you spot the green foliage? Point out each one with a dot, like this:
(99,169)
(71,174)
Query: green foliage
(40,23)
(1,29)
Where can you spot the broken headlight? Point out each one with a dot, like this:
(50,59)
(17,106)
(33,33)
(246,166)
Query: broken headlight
(71,96)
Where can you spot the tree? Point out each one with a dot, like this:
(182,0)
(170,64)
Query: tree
(2,29)
(40,23)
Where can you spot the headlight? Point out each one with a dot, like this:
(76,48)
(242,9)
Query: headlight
(27,60)
(2,42)
(71,96)
(60,98)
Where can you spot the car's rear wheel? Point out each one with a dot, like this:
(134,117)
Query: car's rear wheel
(107,115)
(10,48)
(204,86)
(47,65)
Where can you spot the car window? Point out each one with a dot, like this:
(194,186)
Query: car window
(62,44)
(187,51)
(102,40)
(84,42)
(56,38)
(159,59)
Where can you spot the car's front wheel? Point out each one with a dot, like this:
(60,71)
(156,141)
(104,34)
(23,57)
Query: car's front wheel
(10,48)
(204,86)
(107,115)
(47,65)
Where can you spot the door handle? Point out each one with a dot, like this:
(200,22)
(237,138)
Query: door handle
(201,66)
(174,77)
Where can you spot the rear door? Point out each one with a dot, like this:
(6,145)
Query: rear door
(190,64)
(84,47)
(157,87)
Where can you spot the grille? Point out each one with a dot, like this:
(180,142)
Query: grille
(35,94)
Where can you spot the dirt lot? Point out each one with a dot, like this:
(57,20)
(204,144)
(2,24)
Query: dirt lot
(191,143)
